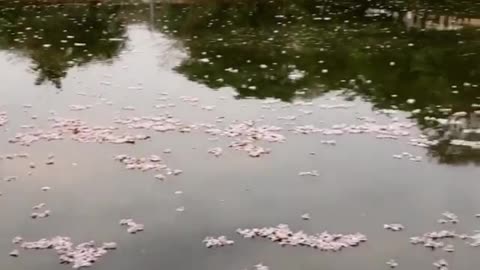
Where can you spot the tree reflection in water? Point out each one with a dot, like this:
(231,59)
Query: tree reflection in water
(58,37)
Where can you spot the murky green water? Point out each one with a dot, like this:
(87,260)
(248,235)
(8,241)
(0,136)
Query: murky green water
(329,64)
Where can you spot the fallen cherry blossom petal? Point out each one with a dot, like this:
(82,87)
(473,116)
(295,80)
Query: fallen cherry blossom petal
(432,239)
(394,227)
(261,267)
(43,214)
(10,178)
(309,173)
(476,240)
(132,226)
(450,217)
(3,118)
(160,177)
(392,263)
(449,248)
(38,206)
(109,245)
(441,264)
(306,216)
(217,242)
(17,240)
(14,253)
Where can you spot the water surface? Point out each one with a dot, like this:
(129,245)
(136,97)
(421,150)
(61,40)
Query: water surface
(392,61)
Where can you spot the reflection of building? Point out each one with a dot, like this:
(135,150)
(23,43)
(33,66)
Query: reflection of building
(438,22)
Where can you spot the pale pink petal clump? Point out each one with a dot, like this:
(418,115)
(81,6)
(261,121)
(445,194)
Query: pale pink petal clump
(14,253)
(393,227)
(323,241)
(433,239)
(216,151)
(3,118)
(309,173)
(78,131)
(132,226)
(79,107)
(450,217)
(17,240)
(217,242)
(441,264)
(392,263)
(476,240)
(260,266)
(43,214)
(307,129)
(306,216)
(81,255)
(246,134)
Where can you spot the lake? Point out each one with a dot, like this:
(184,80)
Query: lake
(198,118)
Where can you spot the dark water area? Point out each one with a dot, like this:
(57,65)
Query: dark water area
(381,99)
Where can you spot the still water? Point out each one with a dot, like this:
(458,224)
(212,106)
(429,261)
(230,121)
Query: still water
(367,80)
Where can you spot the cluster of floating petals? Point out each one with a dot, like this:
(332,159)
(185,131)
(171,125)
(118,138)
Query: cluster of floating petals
(17,240)
(441,264)
(309,173)
(306,216)
(81,255)
(10,178)
(247,133)
(296,74)
(14,156)
(79,107)
(449,218)
(50,160)
(336,106)
(394,227)
(43,214)
(153,162)
(14,253)
(249,130)
(306,129)
(3,118)
(475,239)
(409,156)
(216,151)
(260,266)
(38,206)
(189,99)
(248,146)
(387,131)
(433,240)
(156,123)
(26,139)
(392,263)
(132,226)
(323,241)
(328,142)
(217,242)
(289,117)
(449,248)
(78,131)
